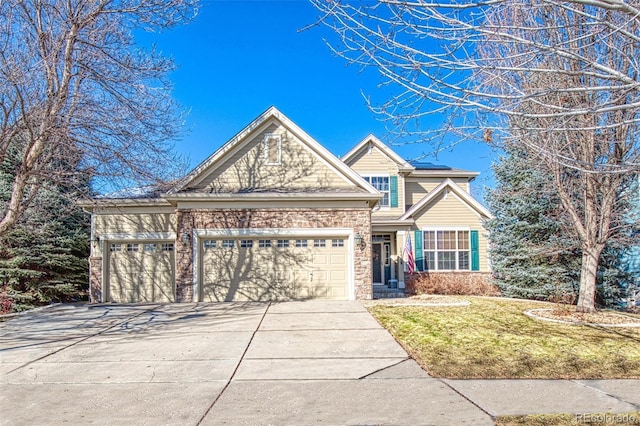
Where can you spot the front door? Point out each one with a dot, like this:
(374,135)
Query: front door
(376,251)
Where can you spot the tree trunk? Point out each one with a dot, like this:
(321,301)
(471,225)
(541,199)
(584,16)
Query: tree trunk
(588,274)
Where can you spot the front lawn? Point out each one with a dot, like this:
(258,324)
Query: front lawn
(492,338)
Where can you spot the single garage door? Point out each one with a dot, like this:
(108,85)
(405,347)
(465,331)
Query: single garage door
(141,271)
(274,269)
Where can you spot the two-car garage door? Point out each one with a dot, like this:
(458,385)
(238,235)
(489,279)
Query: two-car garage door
(278,268)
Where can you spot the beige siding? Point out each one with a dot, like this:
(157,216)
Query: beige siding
(247,169)
(132,223)
(375,162)
(452,212)
(417,190)
(372,160)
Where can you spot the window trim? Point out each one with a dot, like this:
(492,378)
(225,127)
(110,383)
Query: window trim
(265,243)
(283,243)
(435,251)
(278,138)
(318,243)
(147,247)
(367,177)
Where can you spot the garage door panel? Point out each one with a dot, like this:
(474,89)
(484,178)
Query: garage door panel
(338,276)
(136,273)
(299,271)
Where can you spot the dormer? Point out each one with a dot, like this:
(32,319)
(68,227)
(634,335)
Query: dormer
(384,170)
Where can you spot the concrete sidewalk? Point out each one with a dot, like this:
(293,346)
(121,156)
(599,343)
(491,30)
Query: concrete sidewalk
(250,363)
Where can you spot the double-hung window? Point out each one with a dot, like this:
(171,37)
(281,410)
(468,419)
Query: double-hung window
(381,183)
(446,250)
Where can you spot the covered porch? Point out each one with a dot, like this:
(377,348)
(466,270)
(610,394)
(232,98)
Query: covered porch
(387,257)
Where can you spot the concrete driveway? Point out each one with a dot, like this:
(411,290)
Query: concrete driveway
(230,363)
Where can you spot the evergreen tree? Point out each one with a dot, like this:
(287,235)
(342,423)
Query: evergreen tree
(44,258)
(534,252)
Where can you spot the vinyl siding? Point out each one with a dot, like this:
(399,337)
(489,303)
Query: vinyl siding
(453,212)
(374,162)
(132,223)
(416,190)
(246,170)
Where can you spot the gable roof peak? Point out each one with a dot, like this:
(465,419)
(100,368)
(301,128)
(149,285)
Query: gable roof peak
(243,137)
(448,184)
(372,141)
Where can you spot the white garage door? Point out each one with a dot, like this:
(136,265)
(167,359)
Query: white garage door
(274,269)
(141,272)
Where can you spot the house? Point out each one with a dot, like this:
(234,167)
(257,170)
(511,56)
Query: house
(272,214)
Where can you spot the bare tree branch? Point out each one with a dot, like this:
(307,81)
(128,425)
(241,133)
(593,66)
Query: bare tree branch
(71,76)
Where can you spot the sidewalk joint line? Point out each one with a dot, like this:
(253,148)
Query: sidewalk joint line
(246,349)
(384,368)
(465,397)
(577,382)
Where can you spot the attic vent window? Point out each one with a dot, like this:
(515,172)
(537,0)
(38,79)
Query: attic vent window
(272,149)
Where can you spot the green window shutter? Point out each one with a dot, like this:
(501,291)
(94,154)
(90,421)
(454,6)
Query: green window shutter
(475,251)
(393,191)
(419,254)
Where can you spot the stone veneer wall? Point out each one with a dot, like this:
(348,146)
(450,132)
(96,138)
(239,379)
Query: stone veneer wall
(357,219)
(95,279)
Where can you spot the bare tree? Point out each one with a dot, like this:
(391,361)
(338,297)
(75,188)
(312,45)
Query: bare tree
(559,78)
(73,81)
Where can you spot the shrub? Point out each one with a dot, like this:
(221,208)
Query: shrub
(452,283)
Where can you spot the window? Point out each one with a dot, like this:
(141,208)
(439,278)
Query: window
(246,243)
(150,247)
(264,243)
(272,149)
(319,243)
(302,243)
(227,243)
(132,247)
(209,244)
(283,243)
(167,246)
(446,250)
(381,183)
(115,247)
(337,243)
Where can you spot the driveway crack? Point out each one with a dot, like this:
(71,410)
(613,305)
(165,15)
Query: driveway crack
(235,370)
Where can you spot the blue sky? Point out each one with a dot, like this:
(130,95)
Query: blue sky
(237,58)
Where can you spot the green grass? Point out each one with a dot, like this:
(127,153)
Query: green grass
(492,338)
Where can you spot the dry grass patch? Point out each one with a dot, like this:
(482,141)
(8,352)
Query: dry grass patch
(493,338)
(632,418)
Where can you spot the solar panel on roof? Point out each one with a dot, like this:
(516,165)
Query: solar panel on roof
(422,165)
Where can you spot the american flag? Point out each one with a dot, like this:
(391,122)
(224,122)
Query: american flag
(411,263)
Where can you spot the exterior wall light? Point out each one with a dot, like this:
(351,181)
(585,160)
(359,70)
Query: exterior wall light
(360,242)
(186,238)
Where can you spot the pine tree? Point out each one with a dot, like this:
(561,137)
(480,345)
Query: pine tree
(44,258)
(534,253)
